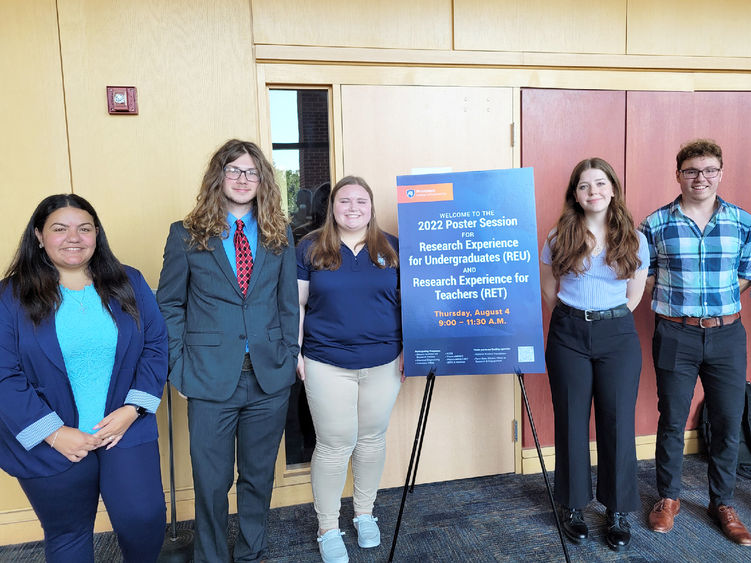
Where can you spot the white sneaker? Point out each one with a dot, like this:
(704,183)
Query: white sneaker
(368,534)
(332,547)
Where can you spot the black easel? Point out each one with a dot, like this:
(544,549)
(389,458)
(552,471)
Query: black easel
(520,376)
(178,545)
(414,459)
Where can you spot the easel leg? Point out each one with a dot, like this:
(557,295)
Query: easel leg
(414,459)
(430,382)
(520,376)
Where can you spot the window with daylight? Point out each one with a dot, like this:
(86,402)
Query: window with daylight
(301,158)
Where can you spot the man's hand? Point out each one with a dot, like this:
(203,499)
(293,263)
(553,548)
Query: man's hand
(300,367)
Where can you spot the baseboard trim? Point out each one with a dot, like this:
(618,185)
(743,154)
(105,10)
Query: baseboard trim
(645,449)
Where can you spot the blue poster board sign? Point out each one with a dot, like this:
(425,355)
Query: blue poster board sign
(470,278)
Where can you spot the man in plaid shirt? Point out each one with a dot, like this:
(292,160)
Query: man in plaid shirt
(700,263)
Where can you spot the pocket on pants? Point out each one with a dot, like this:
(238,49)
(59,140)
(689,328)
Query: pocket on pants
(664,347)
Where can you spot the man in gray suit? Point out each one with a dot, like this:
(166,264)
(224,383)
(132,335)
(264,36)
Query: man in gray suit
(228,291)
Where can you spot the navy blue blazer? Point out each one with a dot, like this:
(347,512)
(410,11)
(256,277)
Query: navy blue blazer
(34,383)
(209,319)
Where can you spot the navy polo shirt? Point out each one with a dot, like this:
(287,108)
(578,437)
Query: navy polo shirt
(353,316)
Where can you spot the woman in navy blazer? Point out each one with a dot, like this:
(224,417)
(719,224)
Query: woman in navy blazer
(83,362)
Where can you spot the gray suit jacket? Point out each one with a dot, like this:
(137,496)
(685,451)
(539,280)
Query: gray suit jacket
(209,320)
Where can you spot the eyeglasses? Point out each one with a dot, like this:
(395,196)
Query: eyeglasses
(693,173)
(232,173)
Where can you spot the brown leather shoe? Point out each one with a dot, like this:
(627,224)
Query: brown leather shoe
(731,525)
(663,513)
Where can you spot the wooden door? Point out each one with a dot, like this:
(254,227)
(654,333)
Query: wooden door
(559,129)
(391,130)
(639,133)
(658,123)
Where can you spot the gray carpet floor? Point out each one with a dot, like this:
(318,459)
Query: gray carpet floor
(489,519)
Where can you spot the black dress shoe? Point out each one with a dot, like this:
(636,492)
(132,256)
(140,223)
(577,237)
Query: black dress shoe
(573,524)
(618,535)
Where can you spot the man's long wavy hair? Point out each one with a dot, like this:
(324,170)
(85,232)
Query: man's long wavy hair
(209,217)
(571,242)
(325,251)
(36,281)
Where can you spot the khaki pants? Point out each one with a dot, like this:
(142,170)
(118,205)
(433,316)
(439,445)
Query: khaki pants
(350,410)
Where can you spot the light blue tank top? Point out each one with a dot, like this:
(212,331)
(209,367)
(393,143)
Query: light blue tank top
(88,339)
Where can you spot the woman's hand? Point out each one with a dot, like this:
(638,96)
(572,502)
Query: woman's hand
(548,286)
(113,426)
(72,443)
(300,367)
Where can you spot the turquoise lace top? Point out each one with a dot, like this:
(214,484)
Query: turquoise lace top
(88,339)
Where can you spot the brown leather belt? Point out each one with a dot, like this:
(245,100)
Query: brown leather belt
(704,322)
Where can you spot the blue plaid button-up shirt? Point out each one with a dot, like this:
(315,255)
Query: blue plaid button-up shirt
(696,274)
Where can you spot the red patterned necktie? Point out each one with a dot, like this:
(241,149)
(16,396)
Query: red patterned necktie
(243,257)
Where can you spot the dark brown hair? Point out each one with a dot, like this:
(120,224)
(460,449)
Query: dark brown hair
(36,281)
(698,147)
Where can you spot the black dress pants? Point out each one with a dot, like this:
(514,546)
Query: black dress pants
(247,427)
(598,360)
(718,357)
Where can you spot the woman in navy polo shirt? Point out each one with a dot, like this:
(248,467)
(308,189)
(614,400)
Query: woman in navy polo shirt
(351,363)
(594,267)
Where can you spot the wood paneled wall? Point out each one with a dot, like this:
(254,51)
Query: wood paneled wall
(191,62)
(668,28)
(689,28)
(565,26)
(33,143)
(388,24)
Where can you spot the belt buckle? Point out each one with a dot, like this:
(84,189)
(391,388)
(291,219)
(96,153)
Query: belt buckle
(586,315)
(701,322)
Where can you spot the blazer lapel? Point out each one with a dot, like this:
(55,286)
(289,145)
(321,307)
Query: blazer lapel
(258,261)
(125,328)
(46,335)
(221,258)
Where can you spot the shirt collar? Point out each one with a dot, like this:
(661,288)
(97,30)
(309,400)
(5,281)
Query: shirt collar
(231,219)
(675,207)
(247,220)
(342,246)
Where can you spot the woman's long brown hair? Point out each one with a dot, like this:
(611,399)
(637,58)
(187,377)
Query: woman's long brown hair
(571,242)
